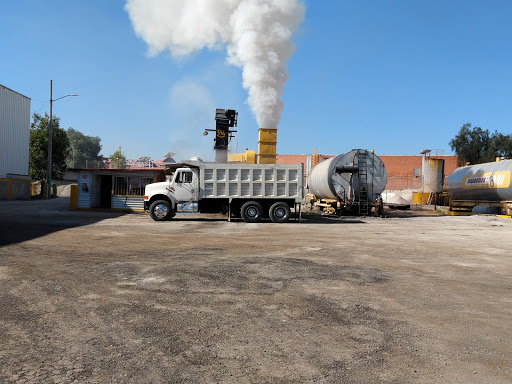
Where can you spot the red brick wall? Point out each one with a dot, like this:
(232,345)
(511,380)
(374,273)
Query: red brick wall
(404,165)
(401,165)
(400,170)
(450,163)
(297,159)
(291,159)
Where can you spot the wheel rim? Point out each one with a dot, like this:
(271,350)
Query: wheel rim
(251,212)
(160,211)
(279,213)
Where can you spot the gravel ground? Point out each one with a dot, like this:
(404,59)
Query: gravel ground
(100,297)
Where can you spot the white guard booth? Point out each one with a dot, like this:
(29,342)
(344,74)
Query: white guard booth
(115,189)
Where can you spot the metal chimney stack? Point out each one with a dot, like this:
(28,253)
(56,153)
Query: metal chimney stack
(224,119)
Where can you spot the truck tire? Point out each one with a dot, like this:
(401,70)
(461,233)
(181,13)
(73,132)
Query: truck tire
(279,212)
(251,212)
(161,210)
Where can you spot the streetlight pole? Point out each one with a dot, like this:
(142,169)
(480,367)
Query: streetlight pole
(50,144)
(50,136)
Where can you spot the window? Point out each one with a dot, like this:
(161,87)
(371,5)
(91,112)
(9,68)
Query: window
(120,186)
(130,186)
(184,177)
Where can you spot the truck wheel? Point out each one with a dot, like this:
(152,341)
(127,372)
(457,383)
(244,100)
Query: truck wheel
(161,210)
(251,212)
(279,212)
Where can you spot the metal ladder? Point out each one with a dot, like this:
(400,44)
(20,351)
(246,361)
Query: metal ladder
(430,198)
(362,175)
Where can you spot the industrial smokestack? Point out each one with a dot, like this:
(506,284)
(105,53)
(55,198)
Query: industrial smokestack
(256,34)
(267,141)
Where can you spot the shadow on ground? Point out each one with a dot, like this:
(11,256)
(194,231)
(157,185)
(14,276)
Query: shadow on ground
(307,218)
(23,220)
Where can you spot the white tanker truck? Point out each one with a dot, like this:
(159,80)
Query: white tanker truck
(481,185)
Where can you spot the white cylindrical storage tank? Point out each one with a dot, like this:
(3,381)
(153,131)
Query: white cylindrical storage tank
(433,175)
(338,177)
(481,182)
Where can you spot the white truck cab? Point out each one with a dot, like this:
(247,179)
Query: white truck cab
(181,191)
(184,187)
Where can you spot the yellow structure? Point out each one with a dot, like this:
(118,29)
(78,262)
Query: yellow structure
(267,140)
(420,198)
(314,158)
(249,157)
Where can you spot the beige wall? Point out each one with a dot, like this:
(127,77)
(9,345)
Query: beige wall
(15,189)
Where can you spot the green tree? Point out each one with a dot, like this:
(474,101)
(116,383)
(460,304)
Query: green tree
(118,159)
(475,145)
(500,145)
(85,150)
(38,148)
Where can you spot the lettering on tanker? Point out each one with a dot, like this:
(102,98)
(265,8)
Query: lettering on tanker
(487,180)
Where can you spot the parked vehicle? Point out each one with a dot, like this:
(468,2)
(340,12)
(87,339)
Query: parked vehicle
(249,191)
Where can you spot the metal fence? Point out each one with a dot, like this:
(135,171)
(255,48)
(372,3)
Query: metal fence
(130,186)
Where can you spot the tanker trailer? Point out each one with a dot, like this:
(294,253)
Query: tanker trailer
(354,180)
(485,184)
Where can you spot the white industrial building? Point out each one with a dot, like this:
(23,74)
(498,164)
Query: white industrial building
(14,144)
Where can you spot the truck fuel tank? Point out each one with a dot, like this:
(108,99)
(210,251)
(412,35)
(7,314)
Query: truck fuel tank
(187,207)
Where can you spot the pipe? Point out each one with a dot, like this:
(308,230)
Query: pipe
(347,168)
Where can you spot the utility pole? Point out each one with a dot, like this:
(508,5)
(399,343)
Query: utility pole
(50,137)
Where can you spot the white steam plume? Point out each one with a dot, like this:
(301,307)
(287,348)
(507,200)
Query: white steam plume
(256,34)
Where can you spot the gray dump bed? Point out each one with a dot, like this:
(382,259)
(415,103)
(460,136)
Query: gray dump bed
(258,181)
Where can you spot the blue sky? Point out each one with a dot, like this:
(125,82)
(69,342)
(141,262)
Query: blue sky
(394,76)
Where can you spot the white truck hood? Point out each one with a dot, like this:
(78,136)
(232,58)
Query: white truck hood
(154,187)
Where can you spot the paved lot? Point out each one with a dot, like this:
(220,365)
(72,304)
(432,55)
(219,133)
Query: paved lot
(97,297)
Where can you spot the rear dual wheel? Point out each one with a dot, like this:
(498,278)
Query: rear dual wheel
(279,212)
(251,212)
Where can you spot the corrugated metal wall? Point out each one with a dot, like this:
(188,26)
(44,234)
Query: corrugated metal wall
(128,202)
(14,132)
(96,191)
(84,190)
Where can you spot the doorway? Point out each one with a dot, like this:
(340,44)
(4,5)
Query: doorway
(106,192)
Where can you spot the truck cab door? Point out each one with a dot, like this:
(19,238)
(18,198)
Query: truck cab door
(185,189)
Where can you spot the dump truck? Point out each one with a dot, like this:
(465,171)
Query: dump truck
(248,191)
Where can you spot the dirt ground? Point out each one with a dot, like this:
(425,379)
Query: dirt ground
(99,297)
